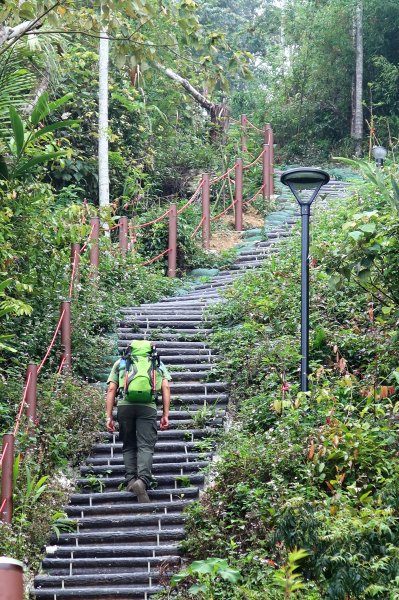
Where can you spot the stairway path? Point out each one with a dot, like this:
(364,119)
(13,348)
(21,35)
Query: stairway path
(123,549)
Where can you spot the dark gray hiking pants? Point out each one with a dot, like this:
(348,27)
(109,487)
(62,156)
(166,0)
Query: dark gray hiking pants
(138,432)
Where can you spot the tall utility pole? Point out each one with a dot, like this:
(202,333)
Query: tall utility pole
(103,169)
(357,93)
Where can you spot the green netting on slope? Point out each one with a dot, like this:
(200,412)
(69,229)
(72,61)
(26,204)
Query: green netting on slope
(203,272)
(250,233)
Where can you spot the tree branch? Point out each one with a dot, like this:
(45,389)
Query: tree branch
(200,98)
(98,36)
(15,33)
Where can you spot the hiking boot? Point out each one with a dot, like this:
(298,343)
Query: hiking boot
(138,487)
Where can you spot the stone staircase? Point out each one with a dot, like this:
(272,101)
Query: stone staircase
(122,549)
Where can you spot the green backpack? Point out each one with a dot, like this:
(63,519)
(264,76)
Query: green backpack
(138,376)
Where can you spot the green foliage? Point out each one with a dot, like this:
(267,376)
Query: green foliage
(207,573)
(31,146)
(70,412)
(315,471)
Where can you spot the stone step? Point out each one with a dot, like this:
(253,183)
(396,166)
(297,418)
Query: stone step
(161,448)
(170,468)
(151,535)
(162,481)
(162,335)
(64,566)
(123,498)
(108,580)
(156,318)
(144,550)
(107,593)
(143,324)
(180,345)
(129,523)
(184,351)
(179,330)
(116,459)
(79,511)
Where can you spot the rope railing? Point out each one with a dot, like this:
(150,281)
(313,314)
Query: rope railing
(51,345)
(21,409)
(224,176)
(191,200)
(141,225)
(260,190)
(87,242)
(194,233)
(254,127)
(224,211)
(148,262)
(254,162)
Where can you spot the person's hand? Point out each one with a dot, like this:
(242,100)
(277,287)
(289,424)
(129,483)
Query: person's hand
(164,424)
(110,424)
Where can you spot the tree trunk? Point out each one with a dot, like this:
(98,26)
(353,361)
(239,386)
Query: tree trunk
(103,169)
(218,112)
(357,91)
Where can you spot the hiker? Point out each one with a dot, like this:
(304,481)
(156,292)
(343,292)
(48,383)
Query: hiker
(138,376)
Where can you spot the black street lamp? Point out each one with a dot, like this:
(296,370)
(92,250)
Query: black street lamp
(379,153)
(305,184)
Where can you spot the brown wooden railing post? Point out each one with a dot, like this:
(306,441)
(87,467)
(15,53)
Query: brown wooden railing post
(238,194)
(266,171)
(75,260)
(172,254)
(31,393)
(11,578)
(269,139)
(123,234)
(66,334)
(95,248)
(206,213)
(244,122)
(6,477)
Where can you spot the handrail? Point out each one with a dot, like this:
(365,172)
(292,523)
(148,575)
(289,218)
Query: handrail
(140,225)
(148,262)
(257,159)
(197,228)
(191,200)
(260,190)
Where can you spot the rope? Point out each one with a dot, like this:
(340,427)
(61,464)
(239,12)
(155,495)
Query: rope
(254,126)
(197,228)
(113,227)
(74,268)
(83,248)
(191,200)
(40,367)
(260,190)
(257,159)
(155,258)
(63,361)
(3,454)
(224,211)
(150,222)
(222,176)
(3,505)
(21,408)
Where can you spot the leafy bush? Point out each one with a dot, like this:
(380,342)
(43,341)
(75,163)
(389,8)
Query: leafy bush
(315,471)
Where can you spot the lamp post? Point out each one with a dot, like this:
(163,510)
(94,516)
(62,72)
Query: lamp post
(379,153)
(309,182)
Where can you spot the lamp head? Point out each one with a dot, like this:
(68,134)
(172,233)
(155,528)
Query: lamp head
(305,179)
(379,152)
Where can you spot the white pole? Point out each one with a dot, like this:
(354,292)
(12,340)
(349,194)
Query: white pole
(103,170)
